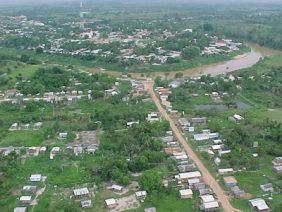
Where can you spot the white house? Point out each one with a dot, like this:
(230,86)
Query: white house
(186,193)
(258,204)
(111,203)
(35,178)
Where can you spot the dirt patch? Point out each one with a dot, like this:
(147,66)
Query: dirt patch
(247,196)
(126,203)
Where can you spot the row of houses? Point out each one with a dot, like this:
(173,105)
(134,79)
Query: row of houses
(29,192)
(188,177)
(19,126)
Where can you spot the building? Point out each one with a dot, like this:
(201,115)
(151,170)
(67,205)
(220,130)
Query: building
(277,164)
(205,191)
(237,192)
(20,209)
(152,117)
(193,182)
(111,203)
(277,169)
(153,209)
(183,177)
(78,150)
(81,192)
(117,188)
(25,200)
(208,203)
(186,167)
(29,189)
(141,195)
(267,187)
(186,193)
(258,204)
(236,118)
(226,171)
(63,135)
(209,206)
(198,120)
(230,181)
(277,161)
(86,203)
(35,178)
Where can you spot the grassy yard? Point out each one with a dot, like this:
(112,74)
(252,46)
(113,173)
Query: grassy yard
(170,202)
(23,138)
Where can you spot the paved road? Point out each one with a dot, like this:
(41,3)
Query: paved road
(207,177)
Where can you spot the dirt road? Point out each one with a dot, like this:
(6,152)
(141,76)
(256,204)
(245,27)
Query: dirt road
(207,177)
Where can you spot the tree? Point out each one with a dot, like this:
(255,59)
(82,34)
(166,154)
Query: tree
(39,50)
(178,75)
(190,52)
(208,27)
(150,180)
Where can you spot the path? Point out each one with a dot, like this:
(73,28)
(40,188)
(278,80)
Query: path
(207,177)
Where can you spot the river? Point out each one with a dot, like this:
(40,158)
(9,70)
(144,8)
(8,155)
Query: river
(239,62)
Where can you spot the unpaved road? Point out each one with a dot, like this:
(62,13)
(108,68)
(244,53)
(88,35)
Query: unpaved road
(207,177)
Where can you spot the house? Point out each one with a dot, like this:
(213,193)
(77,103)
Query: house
(29,189)
(205,191)
(201,137)
(181,177)
(230,181)
(258,204)
(153,209)
(277,161)
(14,126)
(167,139)
(236,118)
(277,164)
(207,198)
(25,199)
(111,203)
(130,123)
(141,195)
(208,203)
(198,120)
(277,169)
(184,122)
(37,125)
(267,187)
(63,136)
(217,161)
(180,156)
(55,150)
(86,203)
(78,150)
(33,150)
(117,188)
(20,209)
(217,147)
(226,171)
(81,192)
(237,192)
(186,193)
(91,149)
(209,206)
(186,167)
(193,182)
(35,178)
(152,117)
(42,149)
(222,152)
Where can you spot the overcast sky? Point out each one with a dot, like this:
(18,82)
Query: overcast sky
(139,1)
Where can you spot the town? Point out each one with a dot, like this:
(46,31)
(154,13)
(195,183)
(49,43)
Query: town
(137,109)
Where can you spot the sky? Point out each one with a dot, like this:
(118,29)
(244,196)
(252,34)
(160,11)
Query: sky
(3,2)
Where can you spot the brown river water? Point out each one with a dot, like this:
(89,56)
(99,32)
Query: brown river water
(239,62)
